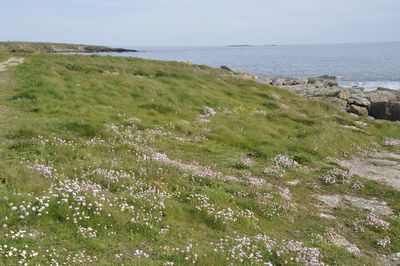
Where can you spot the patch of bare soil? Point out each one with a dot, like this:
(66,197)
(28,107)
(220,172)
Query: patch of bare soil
(13,61)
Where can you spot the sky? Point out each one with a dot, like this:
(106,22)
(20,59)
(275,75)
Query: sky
(136,23)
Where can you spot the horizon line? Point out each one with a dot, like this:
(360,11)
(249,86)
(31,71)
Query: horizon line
(244,45)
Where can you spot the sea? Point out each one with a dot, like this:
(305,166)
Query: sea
(369,65)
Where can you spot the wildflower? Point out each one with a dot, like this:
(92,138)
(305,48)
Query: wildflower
(384,242)
(377,222)
(208,111)
(245,162)
(259,112)
(306,255)
(337,175)
(140,254)
(357,185)
(44,170)
(280,164)
(203,204)
(194,168)
(392,142)
(358,227)
(87,232)
(284,161)
(285,193)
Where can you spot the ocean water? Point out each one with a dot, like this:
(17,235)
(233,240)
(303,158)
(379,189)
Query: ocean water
(369,65)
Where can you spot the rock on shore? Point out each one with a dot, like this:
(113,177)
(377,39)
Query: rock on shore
(381,103)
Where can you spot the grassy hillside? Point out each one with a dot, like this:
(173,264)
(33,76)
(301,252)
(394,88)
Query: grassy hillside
(111,161)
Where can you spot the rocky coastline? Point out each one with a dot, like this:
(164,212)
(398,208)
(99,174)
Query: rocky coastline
(381,103)
(92,49)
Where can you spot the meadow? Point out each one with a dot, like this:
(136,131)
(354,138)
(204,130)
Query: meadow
(123,161)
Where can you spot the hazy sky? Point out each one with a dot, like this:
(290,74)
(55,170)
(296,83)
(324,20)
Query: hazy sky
(200,22)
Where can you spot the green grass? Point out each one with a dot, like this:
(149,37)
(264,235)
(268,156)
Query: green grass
(74,98)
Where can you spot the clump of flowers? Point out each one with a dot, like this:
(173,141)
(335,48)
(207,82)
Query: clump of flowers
(188,253)
(82,258)
(140,254)
(358,226)
(130,135)
(357,185)
(254,181)
(337,175)
(285,193)
(392,142)
(133,120)
(249,250)
(95,141)
(259,112)
(55,257)
(22,255)
(328,179)
(271,207)
(87,232)
(202,120)
(285,161)
(228,111)
(280,164)
(56,141)
(302,254)
(151,211)
(208,111)
(18,234)
(194,168)
(241,249)
(203,204)
(377,222)
(37,207)
(44,170)
(384,241)
(245,162)
(164,230)
(111,175)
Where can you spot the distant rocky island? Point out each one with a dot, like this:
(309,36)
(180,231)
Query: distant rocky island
(59,48)
(249,45)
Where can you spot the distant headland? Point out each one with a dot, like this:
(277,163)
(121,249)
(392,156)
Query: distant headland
(58,48)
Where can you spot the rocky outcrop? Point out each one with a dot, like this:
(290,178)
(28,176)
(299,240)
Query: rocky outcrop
(381,167)
(385,110)
(226,68)
(323,81)
(381,103)
(342,242)
(358,110)
(287,81)
(87,49)
(391,260)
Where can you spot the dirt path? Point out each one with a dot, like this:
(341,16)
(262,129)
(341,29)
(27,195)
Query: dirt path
(13,61)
